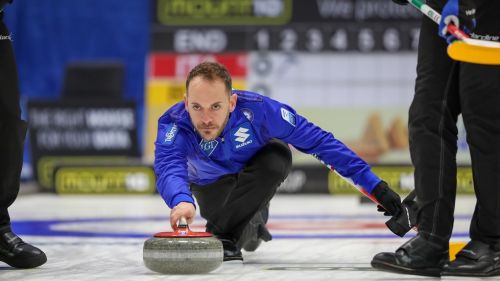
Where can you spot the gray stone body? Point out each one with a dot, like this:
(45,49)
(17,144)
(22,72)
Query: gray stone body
(183,255)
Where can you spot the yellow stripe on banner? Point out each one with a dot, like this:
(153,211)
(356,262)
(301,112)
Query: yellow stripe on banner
(239,84)
(473,53)
(455,247)
(160,96)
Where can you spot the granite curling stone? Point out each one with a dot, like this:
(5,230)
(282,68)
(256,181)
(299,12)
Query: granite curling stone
(183,252)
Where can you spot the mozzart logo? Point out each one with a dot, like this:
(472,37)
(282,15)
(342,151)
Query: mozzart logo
(224,12)
(170,133)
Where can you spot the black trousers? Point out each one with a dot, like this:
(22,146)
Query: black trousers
(229,203)
(12,128)
(444,89)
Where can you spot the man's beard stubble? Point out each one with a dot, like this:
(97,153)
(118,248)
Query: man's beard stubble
(200,127)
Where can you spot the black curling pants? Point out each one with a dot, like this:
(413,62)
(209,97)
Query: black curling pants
(444,89)
(12,128)
(229,203)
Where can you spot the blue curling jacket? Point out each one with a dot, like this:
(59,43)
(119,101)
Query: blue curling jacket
(183,157)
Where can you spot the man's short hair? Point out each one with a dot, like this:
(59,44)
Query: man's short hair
(210,71)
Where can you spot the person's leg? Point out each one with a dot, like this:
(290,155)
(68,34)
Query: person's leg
(13,250)
(233,201)
(433,145)
(480,97)
(481,113)
(10,143)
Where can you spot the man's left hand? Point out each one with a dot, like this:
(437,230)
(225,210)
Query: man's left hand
(390,200)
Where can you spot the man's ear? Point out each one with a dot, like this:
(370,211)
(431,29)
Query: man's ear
(232,102)
(186,101)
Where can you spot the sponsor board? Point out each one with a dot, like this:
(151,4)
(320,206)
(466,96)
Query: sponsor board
(165,65)
(46,166)
(223,12)
(104,180)
(400,179)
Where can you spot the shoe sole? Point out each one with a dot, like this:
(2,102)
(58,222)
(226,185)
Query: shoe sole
(27,262)
(434,272)
(471,274)
(233,259)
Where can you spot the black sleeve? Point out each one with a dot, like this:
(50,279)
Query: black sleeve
(3,3)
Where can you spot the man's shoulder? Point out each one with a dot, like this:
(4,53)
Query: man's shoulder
(176,114)
(248,97)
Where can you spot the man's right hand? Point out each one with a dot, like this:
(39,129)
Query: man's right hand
(183,209)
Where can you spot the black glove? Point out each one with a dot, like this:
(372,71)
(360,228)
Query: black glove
(401,224)
(400,2)
(389,199)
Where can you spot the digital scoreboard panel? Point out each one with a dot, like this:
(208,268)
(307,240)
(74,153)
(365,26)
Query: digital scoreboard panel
(194,26)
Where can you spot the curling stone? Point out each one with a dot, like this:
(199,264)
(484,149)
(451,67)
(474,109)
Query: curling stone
(183,251)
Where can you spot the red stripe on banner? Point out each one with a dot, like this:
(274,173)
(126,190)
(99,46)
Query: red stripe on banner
(169,65)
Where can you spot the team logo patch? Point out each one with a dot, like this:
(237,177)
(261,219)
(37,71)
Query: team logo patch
(208,146)
(171,132)
(248,114)
(243,136)
(288,116)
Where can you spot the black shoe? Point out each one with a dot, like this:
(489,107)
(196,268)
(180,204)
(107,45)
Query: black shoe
(231,251)
(475,259)
(16,253)
(256,231)
(418,256)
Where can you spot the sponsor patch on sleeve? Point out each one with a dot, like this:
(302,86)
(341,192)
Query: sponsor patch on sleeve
(288,116)
(170,133)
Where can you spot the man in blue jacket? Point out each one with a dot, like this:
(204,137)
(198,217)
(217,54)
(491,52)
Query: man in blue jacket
(229,149)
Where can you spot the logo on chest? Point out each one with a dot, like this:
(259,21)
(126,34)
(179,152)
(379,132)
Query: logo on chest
(243,136)
(208,146)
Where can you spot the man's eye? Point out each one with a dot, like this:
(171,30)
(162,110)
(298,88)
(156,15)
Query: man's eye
(196,107)
(216,107)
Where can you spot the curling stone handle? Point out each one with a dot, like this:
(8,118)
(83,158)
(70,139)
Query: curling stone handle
(183,228)
(182,223)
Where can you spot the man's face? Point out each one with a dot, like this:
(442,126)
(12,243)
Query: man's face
(209,105)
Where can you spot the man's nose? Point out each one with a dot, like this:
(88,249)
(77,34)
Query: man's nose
(206,118)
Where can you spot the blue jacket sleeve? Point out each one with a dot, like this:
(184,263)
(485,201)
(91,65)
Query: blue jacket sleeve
(284,123)
(170,165)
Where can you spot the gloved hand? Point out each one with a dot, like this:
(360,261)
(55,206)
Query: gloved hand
(401,224)
(459,12)
(390,200)
(400,2)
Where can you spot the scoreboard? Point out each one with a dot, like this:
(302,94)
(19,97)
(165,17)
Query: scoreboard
(191,26)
